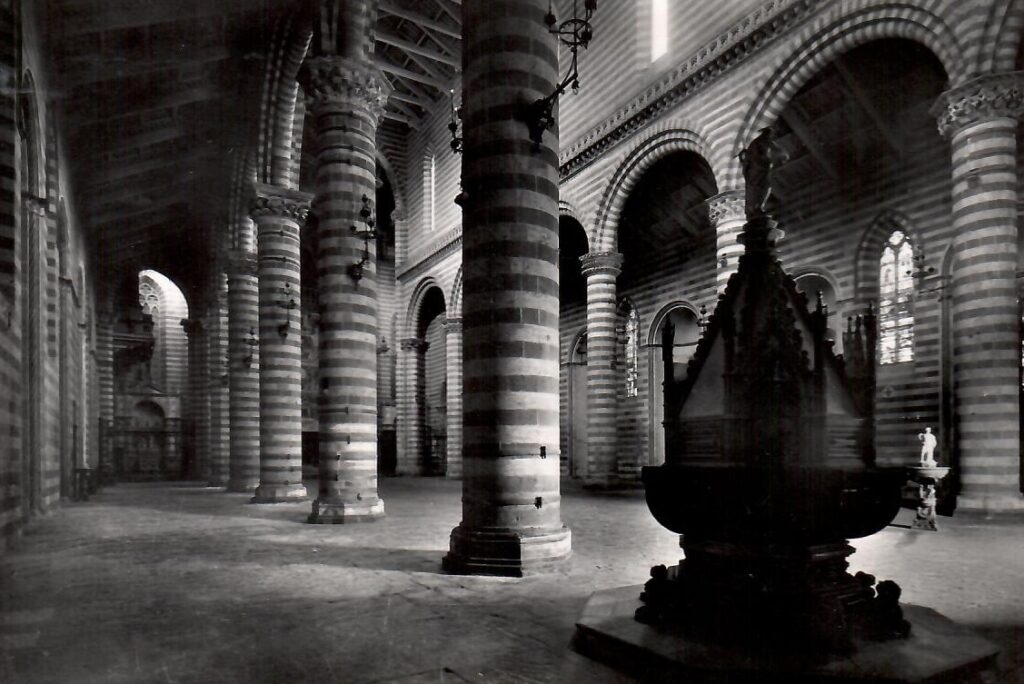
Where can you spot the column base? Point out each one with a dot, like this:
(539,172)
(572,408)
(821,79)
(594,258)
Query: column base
(328,512)
(279,493)
(507,553)
(243,486)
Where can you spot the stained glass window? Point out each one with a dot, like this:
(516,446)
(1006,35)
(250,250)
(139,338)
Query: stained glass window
(632,344)
(895,306)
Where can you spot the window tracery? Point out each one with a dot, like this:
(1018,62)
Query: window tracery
(895,305)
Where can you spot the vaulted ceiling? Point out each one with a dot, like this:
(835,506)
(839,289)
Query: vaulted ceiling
(154,95)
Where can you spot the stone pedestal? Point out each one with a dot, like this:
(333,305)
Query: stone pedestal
(937,651)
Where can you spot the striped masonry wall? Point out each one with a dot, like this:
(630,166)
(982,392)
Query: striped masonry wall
(454,408)
(511,504)
(244,372)
(601,269)
(220,427)
(980,119)
(351,101)
(279,215)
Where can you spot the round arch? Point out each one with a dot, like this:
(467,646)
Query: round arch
(455,297)
(837,32)
(821,272)
(998,46)
(413,318)
(663,313)
(668,137)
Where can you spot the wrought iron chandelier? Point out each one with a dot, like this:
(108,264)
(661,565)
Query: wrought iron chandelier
(575,33)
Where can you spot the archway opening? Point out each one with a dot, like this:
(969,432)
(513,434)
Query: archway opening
(572,317)
(668,249)
(432,383)
(163,301)
(861,142)
(686,326)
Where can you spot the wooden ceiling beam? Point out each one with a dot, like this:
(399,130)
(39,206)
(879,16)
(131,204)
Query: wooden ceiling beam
(413,48)
(807,138)
(410,74)
(862,99)
(421,20)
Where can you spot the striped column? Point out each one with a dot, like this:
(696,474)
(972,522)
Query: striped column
(414,351)
(453,365)
(196,398)
(726,212)
(279,215)
(244,372)
(980,119)
(218,385)
(105,377)
(601,269)
(346,98)
(511,504)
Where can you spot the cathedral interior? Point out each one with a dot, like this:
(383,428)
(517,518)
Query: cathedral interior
(333,332)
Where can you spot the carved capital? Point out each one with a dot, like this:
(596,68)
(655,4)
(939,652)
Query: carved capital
(726,206)
(415,344)
(240,262)
(270,200)
(453,325)
(333,81)
(987,97)
(601,263)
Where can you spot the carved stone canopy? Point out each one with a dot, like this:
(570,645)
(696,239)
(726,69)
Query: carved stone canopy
(270,200)
(987,97)
(337,80)
(607,263)
(725,206)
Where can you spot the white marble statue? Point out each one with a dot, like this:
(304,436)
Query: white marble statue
(928,444)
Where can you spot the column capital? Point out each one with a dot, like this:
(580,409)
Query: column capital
(453,325)
(414,344)
(986,97)
(725,206)
(604,263)
(239,262)
(333,80)
(271,200)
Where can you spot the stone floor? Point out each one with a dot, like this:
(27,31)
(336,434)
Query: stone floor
(181,583)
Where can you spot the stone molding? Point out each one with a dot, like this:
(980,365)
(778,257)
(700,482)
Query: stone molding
(332,80)
(453,325)
(239,262)
(725,206)
(601,263)
(750,35)
(271,200)
(986,97)
(414,344)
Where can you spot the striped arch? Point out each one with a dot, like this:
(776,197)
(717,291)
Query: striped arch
(566,208)
(455,298)
(840,30)
(824,273)
(870,249)
(663,313)
(288,47)
(412,316)
(996,46)
(242,230)
(665,138)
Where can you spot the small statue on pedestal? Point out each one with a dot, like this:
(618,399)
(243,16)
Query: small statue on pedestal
(928,444)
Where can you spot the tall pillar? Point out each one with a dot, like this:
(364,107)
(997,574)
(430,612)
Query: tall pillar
(511,504)
(601,269)
(346,98)
(279,215)
(453,418)
(414,351)
(980,119)
(218,385)
(727,214)
(244,372)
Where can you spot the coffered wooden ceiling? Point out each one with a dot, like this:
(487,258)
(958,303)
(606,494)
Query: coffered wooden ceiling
(155,96)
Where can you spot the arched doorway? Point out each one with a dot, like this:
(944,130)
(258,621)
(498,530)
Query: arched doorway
(685,320)
(813,283)
(431,383)
(572,321)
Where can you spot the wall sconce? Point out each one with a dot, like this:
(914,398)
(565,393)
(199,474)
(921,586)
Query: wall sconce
(355,271)
(920,271)
(574,33)
(288,303)
(453,124)
(253,342)
(702,320)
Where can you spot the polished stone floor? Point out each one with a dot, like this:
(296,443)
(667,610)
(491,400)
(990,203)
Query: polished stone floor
(182,583)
